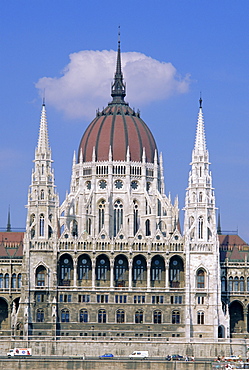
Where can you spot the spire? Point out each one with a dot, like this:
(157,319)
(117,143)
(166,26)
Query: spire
(219,224)
(118,87)
(8,223)
(200,139)
(43,143)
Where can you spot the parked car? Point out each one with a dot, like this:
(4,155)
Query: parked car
(176,357)
(106,355)
(232,358)
(168,358)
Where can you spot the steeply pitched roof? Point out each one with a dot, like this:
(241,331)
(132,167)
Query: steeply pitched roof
(11,244)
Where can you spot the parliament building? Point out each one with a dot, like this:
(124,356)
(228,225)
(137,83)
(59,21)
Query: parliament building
(110,264)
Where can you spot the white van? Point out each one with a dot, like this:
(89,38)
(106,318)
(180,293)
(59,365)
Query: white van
(139,354)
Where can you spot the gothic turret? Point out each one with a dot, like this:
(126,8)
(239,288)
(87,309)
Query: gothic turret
(203,303)
(200,220)
(43,200)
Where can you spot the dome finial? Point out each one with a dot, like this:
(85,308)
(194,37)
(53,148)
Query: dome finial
(118,87)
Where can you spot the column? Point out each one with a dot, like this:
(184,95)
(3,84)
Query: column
(130,274)
(111,275)
(93,273)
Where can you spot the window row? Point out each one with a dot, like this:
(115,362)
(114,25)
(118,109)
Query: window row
(104,298)
(234,284)
(157,316)
(13,281)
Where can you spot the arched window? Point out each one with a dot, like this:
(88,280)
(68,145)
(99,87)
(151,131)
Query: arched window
(65,315)
(200,279)
(120,270)
(66,269)
(200,227)
(13,281)
(176,276)
(39,315)
(1,281)
(135,217)
(89,226)
(19,280)
(32,219)
(200,197)
(102,267)
(175,317)
(230,284)
(223,284)
(120,316)
(101,208)
(102,316)
(40,276)
(139,317)
(42,225)
(83,315)
(242,284)
(157,268)
(75,228)
(42,194)
(139,268)
(200,318)
(147,228)
(247,284)
(118,216)
(236,284)
(84,268)
(6,281)
(157,317)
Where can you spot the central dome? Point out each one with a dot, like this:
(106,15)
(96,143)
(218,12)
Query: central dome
(117,127)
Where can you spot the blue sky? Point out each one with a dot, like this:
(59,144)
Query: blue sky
(172,51)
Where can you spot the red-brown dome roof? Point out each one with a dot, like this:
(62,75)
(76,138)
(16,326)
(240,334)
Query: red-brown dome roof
(118,127)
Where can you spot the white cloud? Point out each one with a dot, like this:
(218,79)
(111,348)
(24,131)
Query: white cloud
(85,83)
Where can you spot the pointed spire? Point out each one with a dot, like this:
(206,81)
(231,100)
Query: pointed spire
(8,224)
(74,158)
(118,87)
(200,139)
(110,153)
(43,142)
(219,224)
(128,156)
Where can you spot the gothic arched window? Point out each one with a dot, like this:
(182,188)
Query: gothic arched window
(200,279)
(135,217)
(102,267)
(147,228)
(200,227)
(40,276)
(13,281)
(241,284)
(118,216)
(19,280)
(236,284)
(42,220)
(6,281)
(101,208)
(84,267)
